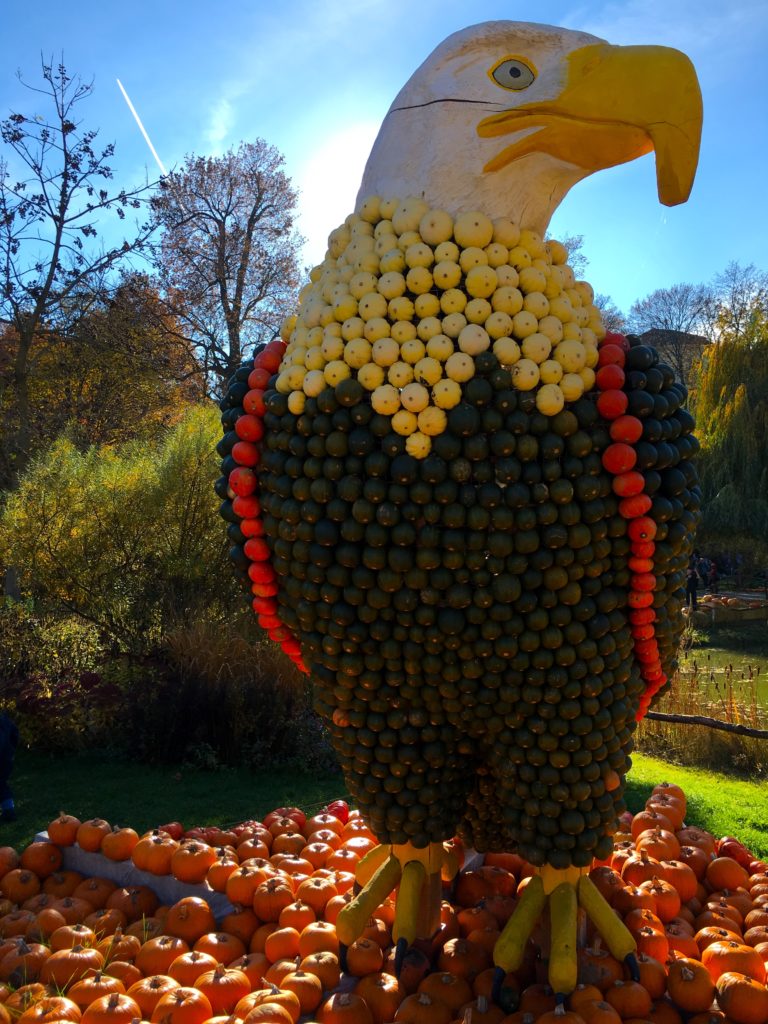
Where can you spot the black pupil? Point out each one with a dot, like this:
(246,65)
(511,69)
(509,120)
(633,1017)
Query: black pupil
(514,71)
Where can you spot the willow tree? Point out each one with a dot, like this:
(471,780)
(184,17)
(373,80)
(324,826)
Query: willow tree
(732,413)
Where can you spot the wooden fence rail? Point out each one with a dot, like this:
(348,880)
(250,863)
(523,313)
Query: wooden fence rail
(709,723)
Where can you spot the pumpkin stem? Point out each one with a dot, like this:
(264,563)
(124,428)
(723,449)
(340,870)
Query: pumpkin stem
(114,1000)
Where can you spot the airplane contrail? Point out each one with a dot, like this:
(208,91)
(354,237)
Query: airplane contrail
(142,129)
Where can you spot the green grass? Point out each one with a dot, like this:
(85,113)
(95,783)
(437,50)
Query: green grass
(719,803)
(142,796)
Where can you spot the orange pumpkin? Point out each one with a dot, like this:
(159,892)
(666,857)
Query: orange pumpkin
(50,1008)
(240,922)
(271,897)
(153,853)
(597,967)
(189,919)
(667,898)
(270,995)
(629,999)
(345,1008)
(191,861)
(724,957)
(316,892)
(93,987)
(382,994)
(118,844)
(19,885)
(320,935)
(135,901)
(118,946)
(95,890)
(63,830)
(182,1006)
(115,1008)
(157,955)
(90,834)
(282,944)
(107,921)
(43,858)
(16,923)
(128,973)
(306,986)
(726,873)
(364,956)
(690,986)
(66,966)
(61,883)
(220,869)
(742,999)
(325,965)
(269,1013)
(223,946)
(224,987)
(147,992)
(25,963)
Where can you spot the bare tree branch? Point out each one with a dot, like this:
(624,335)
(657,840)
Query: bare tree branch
(49,226)
(228,253)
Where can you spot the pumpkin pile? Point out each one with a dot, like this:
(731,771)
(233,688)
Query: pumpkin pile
(76,948)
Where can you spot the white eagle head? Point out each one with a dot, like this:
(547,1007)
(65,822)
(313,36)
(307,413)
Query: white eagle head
(505,117)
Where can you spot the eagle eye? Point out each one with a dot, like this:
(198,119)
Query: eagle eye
(512,73)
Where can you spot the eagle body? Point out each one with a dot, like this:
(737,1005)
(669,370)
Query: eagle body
(477,506)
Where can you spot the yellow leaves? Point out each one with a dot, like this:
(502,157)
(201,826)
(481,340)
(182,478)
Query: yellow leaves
(110,532)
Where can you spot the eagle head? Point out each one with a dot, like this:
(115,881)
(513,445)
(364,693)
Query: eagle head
(506,116)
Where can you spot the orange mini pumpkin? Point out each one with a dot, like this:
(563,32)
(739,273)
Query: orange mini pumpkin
(742,999)
(90,834)
(63,829)
(182,1006)
(189,919)
(148,991)
(344,1008)
(43,858)
(690,986)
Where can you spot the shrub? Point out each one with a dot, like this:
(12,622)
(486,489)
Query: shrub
(126,538)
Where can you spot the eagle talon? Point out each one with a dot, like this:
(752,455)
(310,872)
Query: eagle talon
(401,948)
(564,891)
(343,956)
(499,974)
(417,874)
(632,966)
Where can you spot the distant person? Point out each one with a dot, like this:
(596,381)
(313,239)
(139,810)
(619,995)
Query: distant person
(691,586)
(712,577)
(9,739)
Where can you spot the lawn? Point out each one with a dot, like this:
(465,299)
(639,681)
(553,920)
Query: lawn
(142,796)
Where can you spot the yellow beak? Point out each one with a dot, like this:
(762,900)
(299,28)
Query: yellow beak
(619,102)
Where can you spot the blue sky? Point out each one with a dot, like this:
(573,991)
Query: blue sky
(316,78)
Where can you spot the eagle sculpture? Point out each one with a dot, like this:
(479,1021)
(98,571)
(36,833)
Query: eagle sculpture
(460,504)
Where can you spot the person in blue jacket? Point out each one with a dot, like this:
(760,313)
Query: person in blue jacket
(9,739)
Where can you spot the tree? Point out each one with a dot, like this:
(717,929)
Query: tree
(731,407)
(53,201)
(118,373)
(676,316)
(126,537)
(228,255)
(574,246)
(612,316)
(740,301)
